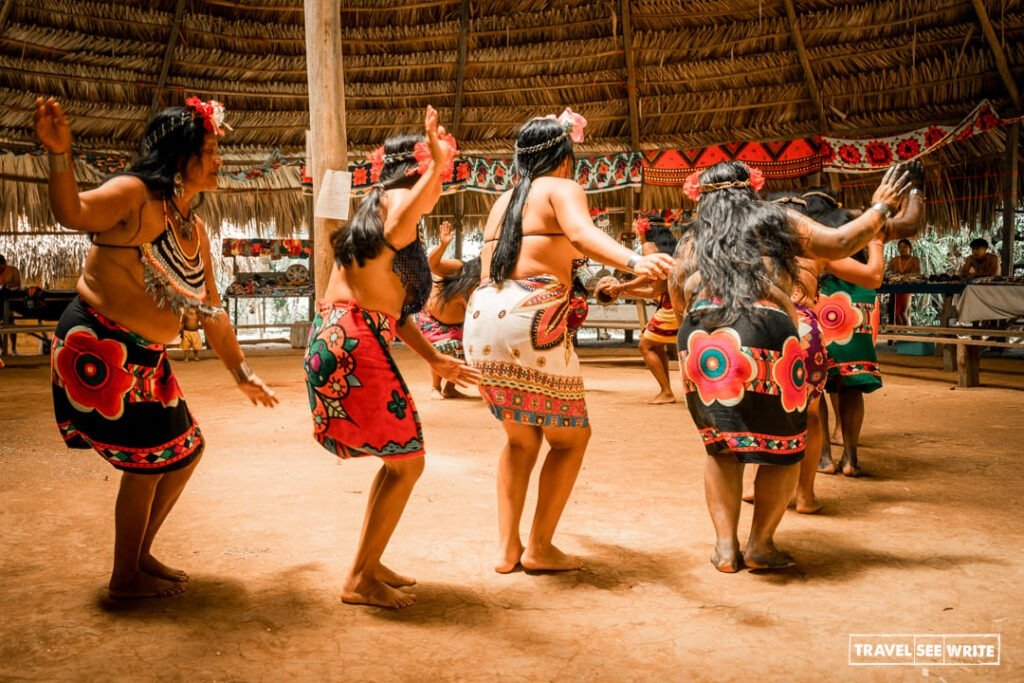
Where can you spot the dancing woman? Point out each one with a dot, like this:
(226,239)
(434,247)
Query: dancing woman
(517,332)
(361,405)
(442,318)
(150,263)
(743,367)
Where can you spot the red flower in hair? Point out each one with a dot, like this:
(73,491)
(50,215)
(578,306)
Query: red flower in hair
(212,113)
(756,178)
(849,154)
(376,159)
(879,153)
(691,188)
(907,149)
(424,157)
(641,225)
(933,136)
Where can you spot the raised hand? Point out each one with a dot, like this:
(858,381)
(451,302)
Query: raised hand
(446,233)
(894,183)
(52,126)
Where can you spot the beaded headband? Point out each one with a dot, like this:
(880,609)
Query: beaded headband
(694,189)
(211,112)
(572,127)
(827,197)
(790,200)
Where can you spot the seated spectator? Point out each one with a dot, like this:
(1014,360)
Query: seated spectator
(980,263)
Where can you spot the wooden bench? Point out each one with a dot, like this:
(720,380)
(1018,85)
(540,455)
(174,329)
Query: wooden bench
(967,340)
(621,316)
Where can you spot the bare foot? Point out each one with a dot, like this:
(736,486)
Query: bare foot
(662,398)
(851,470)
(436,395)
(727,561)
(375,592)
(144,586)
(509,559)
(154,567)
(394,579)
(450,391)
(826,466)
(809,505)
(550,559)
(772,559)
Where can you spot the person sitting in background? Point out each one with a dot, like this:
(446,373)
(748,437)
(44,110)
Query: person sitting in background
(980,263)
(10,280)
(191,341)
(905,263)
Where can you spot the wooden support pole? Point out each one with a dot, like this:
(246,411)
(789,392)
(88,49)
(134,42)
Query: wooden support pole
(328,146)
(968,358)
(165,66)
(1010,196)
(460,81)
(997,52)
(805,63)
(627,48)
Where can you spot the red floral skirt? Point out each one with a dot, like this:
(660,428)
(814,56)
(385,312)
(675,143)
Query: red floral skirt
(115,392)
(360,403)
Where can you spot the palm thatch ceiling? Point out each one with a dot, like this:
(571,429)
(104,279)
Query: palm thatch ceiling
(702,71)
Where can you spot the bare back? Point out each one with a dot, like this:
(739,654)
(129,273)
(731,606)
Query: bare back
(545,248)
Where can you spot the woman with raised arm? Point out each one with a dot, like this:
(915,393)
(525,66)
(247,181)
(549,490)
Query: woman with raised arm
(150,263)
(361,405)
(517,332)
(743,367)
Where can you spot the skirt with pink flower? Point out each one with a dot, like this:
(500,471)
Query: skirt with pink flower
(849,318)
(115,392)
(746,384)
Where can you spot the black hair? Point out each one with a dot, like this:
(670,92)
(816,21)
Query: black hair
(979,242)
(3,260)
(173,136)
(829,213)
(905,241)
(662,238)
(363,237)
(460,284)
(554,147)
(732,236)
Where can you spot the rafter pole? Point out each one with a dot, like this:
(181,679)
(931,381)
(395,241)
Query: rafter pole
(460,80)
(805,62)
(1010,197)
(5,12)
(627,48)
(165,66)
(997,52)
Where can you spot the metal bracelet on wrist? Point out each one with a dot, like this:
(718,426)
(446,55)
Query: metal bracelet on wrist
(243,373)
(631,263)
(58,162)
(883,208)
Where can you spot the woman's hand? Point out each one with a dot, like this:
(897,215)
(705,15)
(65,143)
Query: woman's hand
(52,126)
(258,392)
(446,233)
(894,183)
(455,371)
(655,266)
(439,150)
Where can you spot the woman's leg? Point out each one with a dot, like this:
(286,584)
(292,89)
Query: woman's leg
(514,469)
(723,485)
(557,478)
(168,490)
(825,463)
(851,410)
(131,519)
(837,429)
(435,391)
(656,359)
(806,502)
(773,488)
(388,496)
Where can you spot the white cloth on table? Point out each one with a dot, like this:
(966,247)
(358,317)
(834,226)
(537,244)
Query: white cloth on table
(990,302)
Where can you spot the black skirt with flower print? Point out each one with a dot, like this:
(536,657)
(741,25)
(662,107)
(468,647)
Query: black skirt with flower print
(115,392)
(746,384)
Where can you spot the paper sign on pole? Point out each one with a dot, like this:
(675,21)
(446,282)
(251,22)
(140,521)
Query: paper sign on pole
(334,197)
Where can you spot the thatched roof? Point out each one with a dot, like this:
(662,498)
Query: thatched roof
(703,72)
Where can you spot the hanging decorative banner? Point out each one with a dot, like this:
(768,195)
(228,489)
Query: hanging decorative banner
(275,161)
(275,249)
(779,159)
(866,155)
(668,218)
(361,182)
(594,174)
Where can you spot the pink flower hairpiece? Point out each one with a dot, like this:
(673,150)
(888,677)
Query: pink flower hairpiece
(693,188)
(641,226)
(573,123)
(212,113)
(423,157)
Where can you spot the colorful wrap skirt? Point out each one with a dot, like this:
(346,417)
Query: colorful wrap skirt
(813,345)
(360,403)
(849,319)
(517,335)
(663,327)
(746,384)
(447,339)
(115,392)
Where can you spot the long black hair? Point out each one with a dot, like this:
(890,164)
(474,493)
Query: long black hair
(541,146)
(824,207)
(363,237)
(662,238)
(173,136)
(733,234)
(460,284)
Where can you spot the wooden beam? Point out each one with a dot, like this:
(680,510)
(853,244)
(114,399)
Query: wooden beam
(627,48)
(460,82)
(805,62)
(1010,197)
(165,66)
(327,142)
(997,52)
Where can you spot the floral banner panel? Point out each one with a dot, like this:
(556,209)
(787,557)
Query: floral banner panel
(594,174)
(868,155)
(779,159)
(275,249)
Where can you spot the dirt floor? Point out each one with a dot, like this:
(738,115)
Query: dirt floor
(930,543)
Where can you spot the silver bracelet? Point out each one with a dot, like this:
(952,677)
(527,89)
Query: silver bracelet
(631,263)
(882,208)
(243,373)
(58,162)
